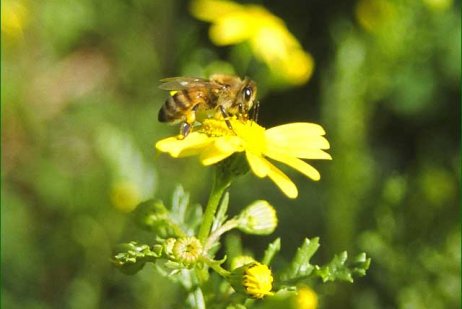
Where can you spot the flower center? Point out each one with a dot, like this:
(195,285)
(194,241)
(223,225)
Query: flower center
(252,135)
(215,128)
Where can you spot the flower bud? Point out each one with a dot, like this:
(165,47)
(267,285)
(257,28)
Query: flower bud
(259,218)
(306,298)
(253,279)
(187,250)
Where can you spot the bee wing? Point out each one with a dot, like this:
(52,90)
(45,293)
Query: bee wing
(180,83)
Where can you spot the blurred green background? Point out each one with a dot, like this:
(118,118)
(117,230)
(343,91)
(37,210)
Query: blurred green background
(79,121)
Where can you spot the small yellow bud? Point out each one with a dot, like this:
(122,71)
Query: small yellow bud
(259,218)
(125,196)
(306,298)
(254,280)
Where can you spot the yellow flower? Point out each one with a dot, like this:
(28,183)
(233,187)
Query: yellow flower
(254,280)
(125,196)
(213,142)
(373,15)
(14,18)
(306,298)
(268,36)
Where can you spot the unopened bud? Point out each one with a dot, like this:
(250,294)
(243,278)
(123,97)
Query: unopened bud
(187,250)
(259,218)
(254,280)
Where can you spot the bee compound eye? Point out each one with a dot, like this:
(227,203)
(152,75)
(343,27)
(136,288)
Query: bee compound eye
(247,93)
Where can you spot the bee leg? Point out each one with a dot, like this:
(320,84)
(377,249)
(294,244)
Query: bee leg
(225,116)
(185,129)
(186,125)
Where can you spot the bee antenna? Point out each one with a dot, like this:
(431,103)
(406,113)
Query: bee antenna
(255,110)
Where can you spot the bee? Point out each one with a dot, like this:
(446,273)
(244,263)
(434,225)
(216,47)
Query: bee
(194,99)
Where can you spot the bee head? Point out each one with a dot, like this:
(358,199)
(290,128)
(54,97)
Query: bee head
(248,94)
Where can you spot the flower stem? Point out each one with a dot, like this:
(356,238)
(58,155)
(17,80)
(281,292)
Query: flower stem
(215,235)
(221,182)
(220,270)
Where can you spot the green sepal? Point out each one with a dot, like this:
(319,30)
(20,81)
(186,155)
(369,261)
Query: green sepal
(339,268)
(133,256)
(234,166)
(300,265)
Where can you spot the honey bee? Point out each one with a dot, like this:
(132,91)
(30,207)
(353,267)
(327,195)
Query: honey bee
(194,99)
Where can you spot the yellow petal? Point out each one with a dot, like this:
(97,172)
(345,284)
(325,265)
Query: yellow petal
(232,29)
(212,155)
(222,148)
(297,131)
(258,165)
(282,181)
(302,140)
(297,67)
(295,163)
(262,167)
(193,144)
(302,151)
(208,10)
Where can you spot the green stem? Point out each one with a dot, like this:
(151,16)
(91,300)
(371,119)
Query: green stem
(220,270)
(229,225)
(221,182)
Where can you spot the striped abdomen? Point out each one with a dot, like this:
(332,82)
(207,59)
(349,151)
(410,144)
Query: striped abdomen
(175,107)
(184,103)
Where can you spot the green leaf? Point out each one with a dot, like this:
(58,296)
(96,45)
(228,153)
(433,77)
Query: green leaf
(133,256)
(180,201)
(339,269)
(300,265)
(193,217)
(271,251)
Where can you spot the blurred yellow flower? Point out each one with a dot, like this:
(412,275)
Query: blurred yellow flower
(213,141)
(14,17)
(306,298)
(439,5)
(373,15)
(125,196)
(268,36)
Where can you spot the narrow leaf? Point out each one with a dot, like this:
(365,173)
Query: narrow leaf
(271,251)
(300,265)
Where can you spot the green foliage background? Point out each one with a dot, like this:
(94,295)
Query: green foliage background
(79,118)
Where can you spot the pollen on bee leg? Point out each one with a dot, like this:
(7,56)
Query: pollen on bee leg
(186,125)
